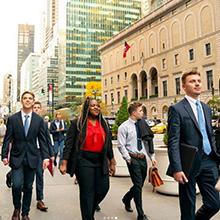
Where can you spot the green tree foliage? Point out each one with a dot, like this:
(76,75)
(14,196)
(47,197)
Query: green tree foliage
(122,115)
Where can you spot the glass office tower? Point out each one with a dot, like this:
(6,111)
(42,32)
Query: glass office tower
(89,23)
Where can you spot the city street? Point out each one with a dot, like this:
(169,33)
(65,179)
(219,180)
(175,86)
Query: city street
(61,196)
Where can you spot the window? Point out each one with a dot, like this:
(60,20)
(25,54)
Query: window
(105,82)
(111,80)
(126,75)
(163,63)
(177,85)
(126,93)
(112,99)
(118,78)
(106,99)
(208,49)
(209,75)
(163,45)
(165,88)
(119,98)
(176,59)
(191,54)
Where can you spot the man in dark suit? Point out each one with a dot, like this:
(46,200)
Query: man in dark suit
(23,130)
(58,129)
(189,122)
(37,108)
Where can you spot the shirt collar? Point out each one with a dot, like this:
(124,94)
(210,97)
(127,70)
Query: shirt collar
(131,120)
(23,114)
(192,100)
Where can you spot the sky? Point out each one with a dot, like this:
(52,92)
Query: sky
(12,13)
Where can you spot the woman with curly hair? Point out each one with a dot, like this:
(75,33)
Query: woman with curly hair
(88,154)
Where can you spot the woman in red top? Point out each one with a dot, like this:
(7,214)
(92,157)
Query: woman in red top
(88,154)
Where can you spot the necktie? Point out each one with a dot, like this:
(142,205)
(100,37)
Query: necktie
(202,126)
(139,144)
(60,125)
(26,124)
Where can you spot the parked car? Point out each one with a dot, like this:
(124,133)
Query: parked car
(159,128)
(110,120)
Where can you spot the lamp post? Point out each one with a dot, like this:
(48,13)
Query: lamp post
(9,92)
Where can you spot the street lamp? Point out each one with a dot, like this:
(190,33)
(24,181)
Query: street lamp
(9,92)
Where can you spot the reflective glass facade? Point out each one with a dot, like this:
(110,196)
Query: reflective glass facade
(90,23)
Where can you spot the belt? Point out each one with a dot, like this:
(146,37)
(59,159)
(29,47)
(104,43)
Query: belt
(137,155)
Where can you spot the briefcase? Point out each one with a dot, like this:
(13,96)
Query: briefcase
(154,177)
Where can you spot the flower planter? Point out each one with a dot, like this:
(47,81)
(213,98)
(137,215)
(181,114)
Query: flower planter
(170,186)
(121,166)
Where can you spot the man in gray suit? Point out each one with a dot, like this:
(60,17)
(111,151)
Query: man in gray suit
(189,122)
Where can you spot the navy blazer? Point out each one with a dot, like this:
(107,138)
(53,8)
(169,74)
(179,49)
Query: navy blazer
(57,135)
(22,145)
(183,128)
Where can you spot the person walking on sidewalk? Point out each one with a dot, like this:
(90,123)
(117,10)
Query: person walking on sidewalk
(37,108)
(134,151)
(58,130)
(88,154)
(23,130)
(189,122)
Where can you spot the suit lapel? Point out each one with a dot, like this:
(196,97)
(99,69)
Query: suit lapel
(20,122)
(190,112)
(207,118)
(31,123)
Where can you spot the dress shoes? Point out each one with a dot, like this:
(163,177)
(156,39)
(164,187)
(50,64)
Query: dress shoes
(41,206)
(16,215)
(144,217)
(127,205)
(98,208)
(25,217)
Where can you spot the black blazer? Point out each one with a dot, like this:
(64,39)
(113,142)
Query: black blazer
(57,135)
(74,143)
(183,128)
(22,145)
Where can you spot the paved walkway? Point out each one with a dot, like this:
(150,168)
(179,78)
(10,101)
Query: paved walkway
(61,196)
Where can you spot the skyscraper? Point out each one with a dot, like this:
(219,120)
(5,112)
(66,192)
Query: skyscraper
(25,47)
(89,24)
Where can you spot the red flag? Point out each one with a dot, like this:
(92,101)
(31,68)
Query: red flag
(126,48)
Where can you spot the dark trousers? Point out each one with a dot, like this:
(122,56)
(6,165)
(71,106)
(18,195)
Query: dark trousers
(206,178)
(22,181)
(40,180)
(93,186)
(138,172)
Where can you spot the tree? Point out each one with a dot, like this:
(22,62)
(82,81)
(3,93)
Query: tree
(122,114)
(214,104)
(93,89)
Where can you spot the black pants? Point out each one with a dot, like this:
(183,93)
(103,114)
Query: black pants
(93,185)
(138,172)
(22,180)
(40,180)
(206,178)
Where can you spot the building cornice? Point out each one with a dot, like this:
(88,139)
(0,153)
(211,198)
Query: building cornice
(143,22)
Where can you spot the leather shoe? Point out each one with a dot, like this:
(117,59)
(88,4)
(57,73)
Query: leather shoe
(16,215)
(127,205)
(98,208)
(41,206)
(25,217)
(144,217)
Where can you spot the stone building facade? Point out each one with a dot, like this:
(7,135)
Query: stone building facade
(177,37)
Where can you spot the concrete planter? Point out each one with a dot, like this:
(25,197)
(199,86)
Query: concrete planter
(170,186)
(121,166)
